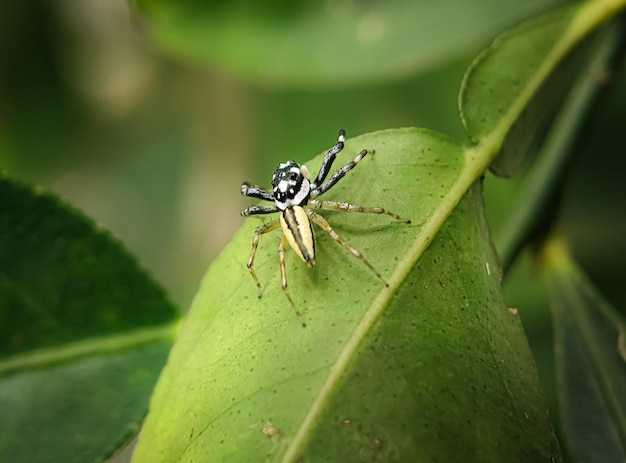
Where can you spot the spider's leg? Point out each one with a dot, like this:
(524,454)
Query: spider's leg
(339,206)
(254,210)
(268,227)
(324,225)
(327,163)
(256,192)
(283,278)
(332,181)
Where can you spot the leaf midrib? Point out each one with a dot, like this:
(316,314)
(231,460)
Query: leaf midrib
(54,355)
(477,160)
(384,298)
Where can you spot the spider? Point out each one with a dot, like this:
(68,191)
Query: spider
(295,197)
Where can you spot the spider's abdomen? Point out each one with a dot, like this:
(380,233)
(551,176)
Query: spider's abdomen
(290,185)
(299,233)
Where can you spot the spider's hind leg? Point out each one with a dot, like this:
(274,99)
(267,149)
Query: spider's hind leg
(268,227)
(324,225)
(283,277)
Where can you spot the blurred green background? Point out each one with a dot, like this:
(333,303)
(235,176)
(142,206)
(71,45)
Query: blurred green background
(155,148)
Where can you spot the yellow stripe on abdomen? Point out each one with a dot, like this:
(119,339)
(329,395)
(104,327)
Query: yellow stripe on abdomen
(299,232)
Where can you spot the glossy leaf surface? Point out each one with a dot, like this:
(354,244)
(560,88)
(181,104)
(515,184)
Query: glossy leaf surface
(84,333)
(372,374)
(518,82)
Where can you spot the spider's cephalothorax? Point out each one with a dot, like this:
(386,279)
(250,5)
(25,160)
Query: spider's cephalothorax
(291,185)
(294,196)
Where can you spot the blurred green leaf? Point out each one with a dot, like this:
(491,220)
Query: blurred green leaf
(533,208)
(517,83)
(399,373)
(590,351)
(433,367)
(84,333)
(322,44)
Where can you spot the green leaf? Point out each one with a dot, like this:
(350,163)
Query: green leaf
(433,367)
(84,333)
(321,44)
(590,355)
(514,86)
(529,215)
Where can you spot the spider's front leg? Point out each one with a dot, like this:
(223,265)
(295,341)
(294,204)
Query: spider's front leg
(255,210)
(257,192)
(254,191)
(327,163)
(268,227)
(332,181)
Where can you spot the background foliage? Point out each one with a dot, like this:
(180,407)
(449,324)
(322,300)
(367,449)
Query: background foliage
(154,147)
